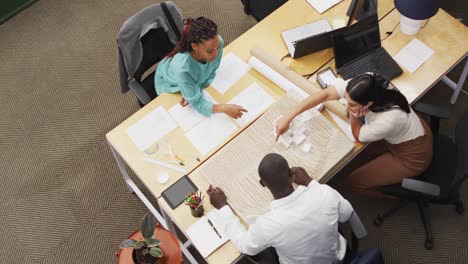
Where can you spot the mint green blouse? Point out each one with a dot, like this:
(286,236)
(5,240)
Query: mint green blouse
(182,73)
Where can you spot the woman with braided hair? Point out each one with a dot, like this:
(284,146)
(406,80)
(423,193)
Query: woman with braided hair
(377,113)
(192,66)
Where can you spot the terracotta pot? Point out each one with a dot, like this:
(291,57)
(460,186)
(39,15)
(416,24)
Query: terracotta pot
(169,245)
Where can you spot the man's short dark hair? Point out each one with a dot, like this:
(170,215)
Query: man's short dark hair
(274,172)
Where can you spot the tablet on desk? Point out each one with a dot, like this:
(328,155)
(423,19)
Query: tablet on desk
(176,193)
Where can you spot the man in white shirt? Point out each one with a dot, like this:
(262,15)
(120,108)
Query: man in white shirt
(302,224)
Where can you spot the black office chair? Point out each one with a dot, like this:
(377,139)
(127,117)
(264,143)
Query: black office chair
(441,182)
(144,39)
(260,9)
(358,232)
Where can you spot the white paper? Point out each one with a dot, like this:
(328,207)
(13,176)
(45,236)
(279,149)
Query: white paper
(255,100)
(204,237)
(187,117)
(305,31)
(327,77)
(306,147)
(323,5)
(211,132)
(151,128)
(277,78)
(231,69)
(343,125)
(413,55)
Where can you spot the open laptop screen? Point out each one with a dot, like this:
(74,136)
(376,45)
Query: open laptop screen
(350,43)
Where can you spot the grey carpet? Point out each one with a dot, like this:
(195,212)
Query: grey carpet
(62,197)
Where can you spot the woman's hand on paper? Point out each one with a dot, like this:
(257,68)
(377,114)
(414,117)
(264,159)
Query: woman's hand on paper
(234,111)
(282,125)
(183,102)
(217,197)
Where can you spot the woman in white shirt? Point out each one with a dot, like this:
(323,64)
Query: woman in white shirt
(388,117)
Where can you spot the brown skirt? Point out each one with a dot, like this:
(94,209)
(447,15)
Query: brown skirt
(404,160)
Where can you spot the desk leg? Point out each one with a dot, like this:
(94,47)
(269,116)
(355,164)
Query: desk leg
(456,86)
(134,189)
(122,168)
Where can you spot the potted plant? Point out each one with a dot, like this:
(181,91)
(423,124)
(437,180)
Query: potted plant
(147,250)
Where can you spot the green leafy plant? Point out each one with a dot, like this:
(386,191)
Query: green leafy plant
(147,250)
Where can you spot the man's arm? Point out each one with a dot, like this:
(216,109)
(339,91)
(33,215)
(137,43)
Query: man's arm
(250,242)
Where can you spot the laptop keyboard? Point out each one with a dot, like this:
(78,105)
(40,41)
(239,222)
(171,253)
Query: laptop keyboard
(379,62)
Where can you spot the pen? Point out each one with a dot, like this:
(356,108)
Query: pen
(214,228)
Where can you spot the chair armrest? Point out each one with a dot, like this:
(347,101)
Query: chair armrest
(139,92)
(357,226)
(421,186)
(432,110)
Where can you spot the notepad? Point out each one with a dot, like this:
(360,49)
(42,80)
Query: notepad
(203,235)
(323,5)
(413,55)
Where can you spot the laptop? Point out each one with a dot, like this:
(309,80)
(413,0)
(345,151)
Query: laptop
(308,38)
(358,49)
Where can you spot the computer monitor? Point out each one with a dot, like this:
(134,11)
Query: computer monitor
(359,9)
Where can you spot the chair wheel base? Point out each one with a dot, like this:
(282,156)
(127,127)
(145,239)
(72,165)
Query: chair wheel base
(378,221)
(428,244)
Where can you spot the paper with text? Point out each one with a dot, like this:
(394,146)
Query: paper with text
(211,132)
(255,100)
(151,128)
(231,69)
(187,117)
(413,55)
(323,5)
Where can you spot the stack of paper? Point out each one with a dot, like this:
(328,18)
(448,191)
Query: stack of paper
(413,55)
(205,237)
(231,69)
(151,128)
(323,5)
(305,31)
(255,100)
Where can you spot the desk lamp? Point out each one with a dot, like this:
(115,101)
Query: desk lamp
(414,13)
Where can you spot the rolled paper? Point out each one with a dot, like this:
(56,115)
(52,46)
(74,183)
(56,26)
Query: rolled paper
(289,80)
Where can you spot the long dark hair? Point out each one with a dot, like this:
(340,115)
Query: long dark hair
(371,87)
(196,30)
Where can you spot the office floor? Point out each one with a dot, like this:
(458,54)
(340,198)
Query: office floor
(62,196)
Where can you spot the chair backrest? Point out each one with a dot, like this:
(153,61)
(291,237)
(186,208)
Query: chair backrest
(145,38)
(156,45)
(461,140)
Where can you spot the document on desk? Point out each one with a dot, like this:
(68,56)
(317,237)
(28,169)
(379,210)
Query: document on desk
(305,31)
(206,237)
(211,132)
(231,69)
(318,148)
(187,116)
(413,55)
(323,5)
(151,128)
(255,100)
